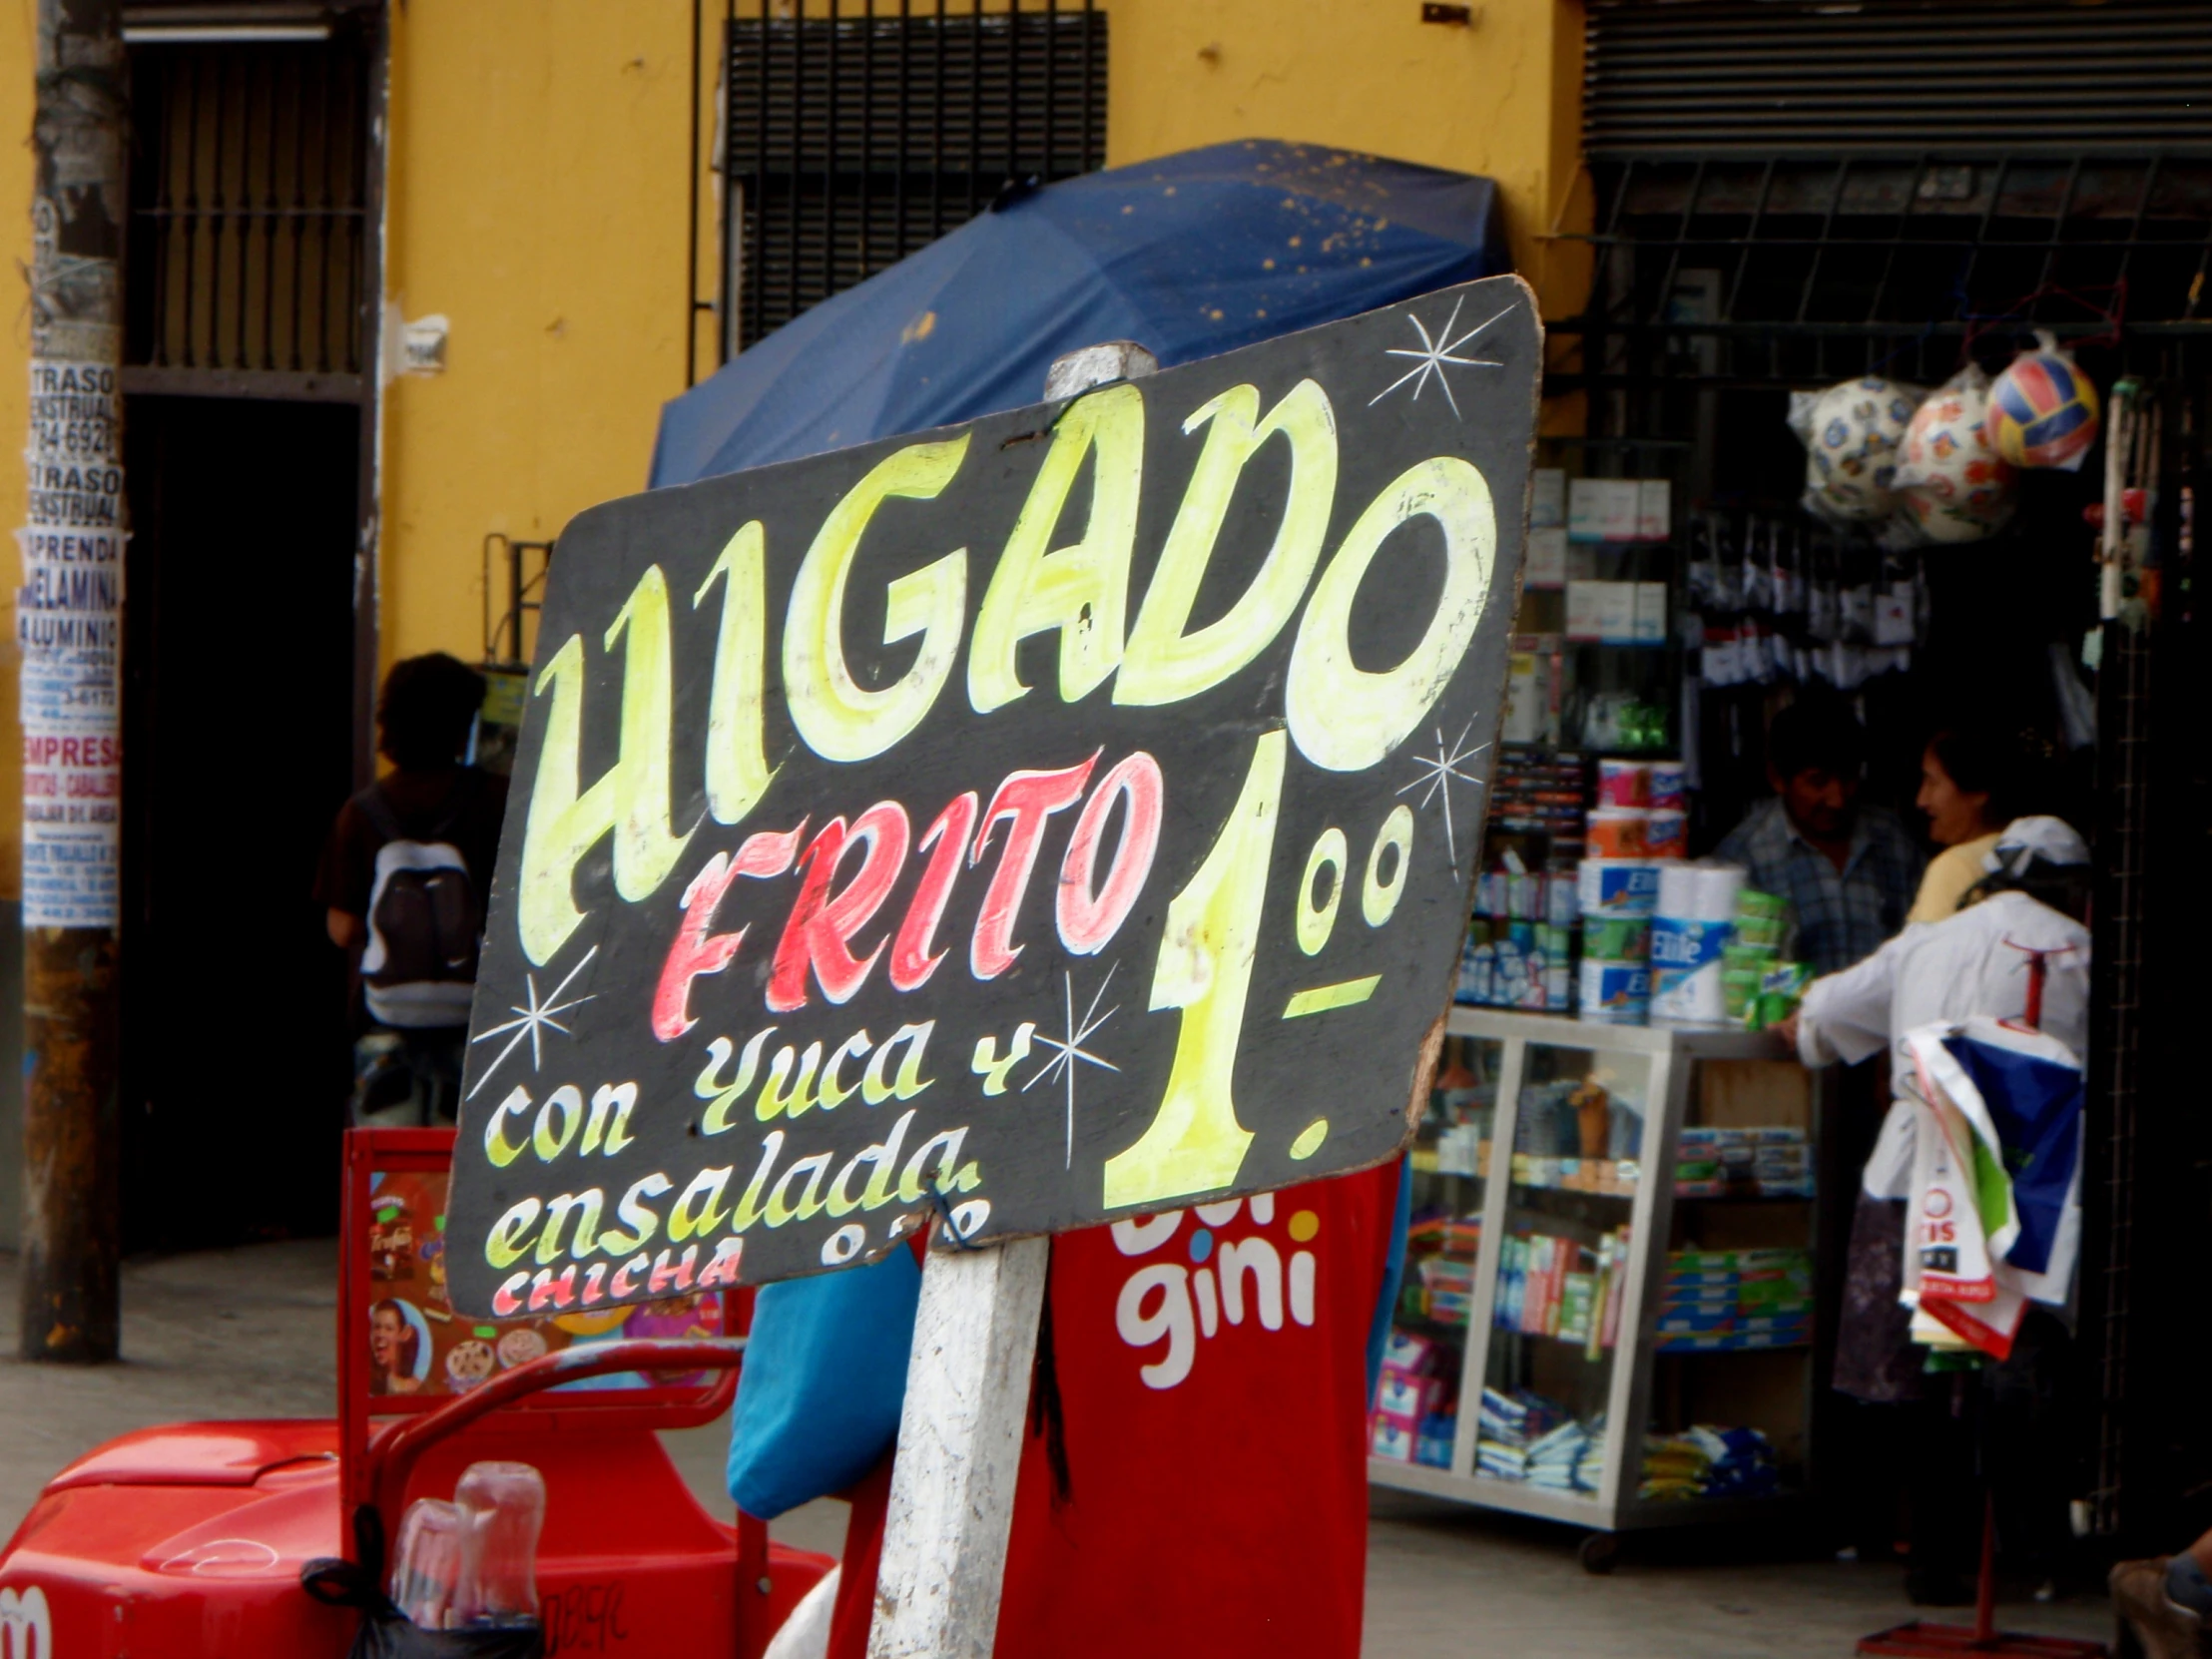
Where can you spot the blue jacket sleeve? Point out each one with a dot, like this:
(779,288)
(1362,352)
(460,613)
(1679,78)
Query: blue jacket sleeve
(825,1374)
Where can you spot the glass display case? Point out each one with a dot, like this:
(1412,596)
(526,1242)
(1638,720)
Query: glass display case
(1611,1225)
(1449,1168)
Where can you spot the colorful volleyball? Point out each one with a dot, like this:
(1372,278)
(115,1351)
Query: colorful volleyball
(2043,410)
(1949,478)
(1851,433)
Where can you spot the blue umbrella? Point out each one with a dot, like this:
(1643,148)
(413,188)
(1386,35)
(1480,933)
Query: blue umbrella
(1190,254)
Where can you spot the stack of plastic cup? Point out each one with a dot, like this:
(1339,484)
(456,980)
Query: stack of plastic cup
(502,1508)
(426,1567)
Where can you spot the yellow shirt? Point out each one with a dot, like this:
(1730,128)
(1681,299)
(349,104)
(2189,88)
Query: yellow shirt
(1950,873)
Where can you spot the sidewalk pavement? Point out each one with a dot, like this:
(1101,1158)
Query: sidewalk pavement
(248,1332)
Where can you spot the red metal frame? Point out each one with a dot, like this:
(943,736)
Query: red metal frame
(431,1151)
(391,1456)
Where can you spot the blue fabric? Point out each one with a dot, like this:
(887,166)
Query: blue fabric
(824,1373)
(1393,1274)
(1190,254)
(2036,1107)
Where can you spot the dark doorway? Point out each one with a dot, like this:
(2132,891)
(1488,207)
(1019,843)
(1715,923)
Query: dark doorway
(237,721)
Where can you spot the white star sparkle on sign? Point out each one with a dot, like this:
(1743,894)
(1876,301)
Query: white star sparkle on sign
(534,1018)
(1440,773)
(1069,1050)
(1435,354)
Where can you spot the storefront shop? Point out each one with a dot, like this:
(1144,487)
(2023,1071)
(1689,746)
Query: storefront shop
(1822,234)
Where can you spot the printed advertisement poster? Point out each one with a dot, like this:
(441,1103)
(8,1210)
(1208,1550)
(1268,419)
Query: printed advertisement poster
(69,625)
(419,1348)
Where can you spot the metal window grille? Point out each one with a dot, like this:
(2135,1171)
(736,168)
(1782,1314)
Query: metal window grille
(248,191)
(1796,271)
(855,137)
(1792,192)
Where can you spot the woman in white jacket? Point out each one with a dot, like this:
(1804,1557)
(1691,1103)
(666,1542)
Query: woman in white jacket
(1980,960)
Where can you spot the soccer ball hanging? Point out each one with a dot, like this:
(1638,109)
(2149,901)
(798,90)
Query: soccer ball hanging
(1851,433)
(1949,475)
(2042,409)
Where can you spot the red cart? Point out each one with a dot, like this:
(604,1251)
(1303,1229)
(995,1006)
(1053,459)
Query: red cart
(186,1541)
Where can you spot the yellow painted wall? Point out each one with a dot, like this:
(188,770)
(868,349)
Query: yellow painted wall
(540,199)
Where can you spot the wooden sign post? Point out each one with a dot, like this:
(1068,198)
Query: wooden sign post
(1046,821)
(959,1452)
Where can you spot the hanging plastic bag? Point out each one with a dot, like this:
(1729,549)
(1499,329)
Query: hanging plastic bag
(385,1632)
(2043,410)
(1995,1219)
(1851,433)
(1949,476)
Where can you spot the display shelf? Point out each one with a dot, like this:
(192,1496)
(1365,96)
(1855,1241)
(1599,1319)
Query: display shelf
(1578,1258)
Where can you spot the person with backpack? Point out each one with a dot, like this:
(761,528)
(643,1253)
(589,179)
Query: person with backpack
(403,877)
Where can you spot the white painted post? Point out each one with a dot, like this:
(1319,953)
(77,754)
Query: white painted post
(959,1452)
(1095,365)
(968,1374)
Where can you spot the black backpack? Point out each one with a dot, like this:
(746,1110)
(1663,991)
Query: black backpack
(425,917)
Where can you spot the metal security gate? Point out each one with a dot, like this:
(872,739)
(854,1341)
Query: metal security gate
(252,309)
(250,192)
(1757,78)
(855,135)
(1789,194)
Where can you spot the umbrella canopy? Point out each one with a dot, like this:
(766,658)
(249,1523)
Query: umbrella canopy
(1190,254)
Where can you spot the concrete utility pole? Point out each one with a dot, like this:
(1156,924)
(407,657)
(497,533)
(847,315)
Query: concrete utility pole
(67,620)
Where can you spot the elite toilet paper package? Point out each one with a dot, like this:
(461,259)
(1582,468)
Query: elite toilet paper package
(1695,921)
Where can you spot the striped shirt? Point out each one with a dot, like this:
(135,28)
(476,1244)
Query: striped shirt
(1842,916)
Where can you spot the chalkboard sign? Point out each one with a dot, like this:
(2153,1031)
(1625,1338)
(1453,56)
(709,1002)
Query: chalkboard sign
(1047,820)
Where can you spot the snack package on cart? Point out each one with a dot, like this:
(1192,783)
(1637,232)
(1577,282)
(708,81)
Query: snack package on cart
(1995,1220)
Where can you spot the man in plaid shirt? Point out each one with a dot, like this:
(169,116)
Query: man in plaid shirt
(1849,871)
